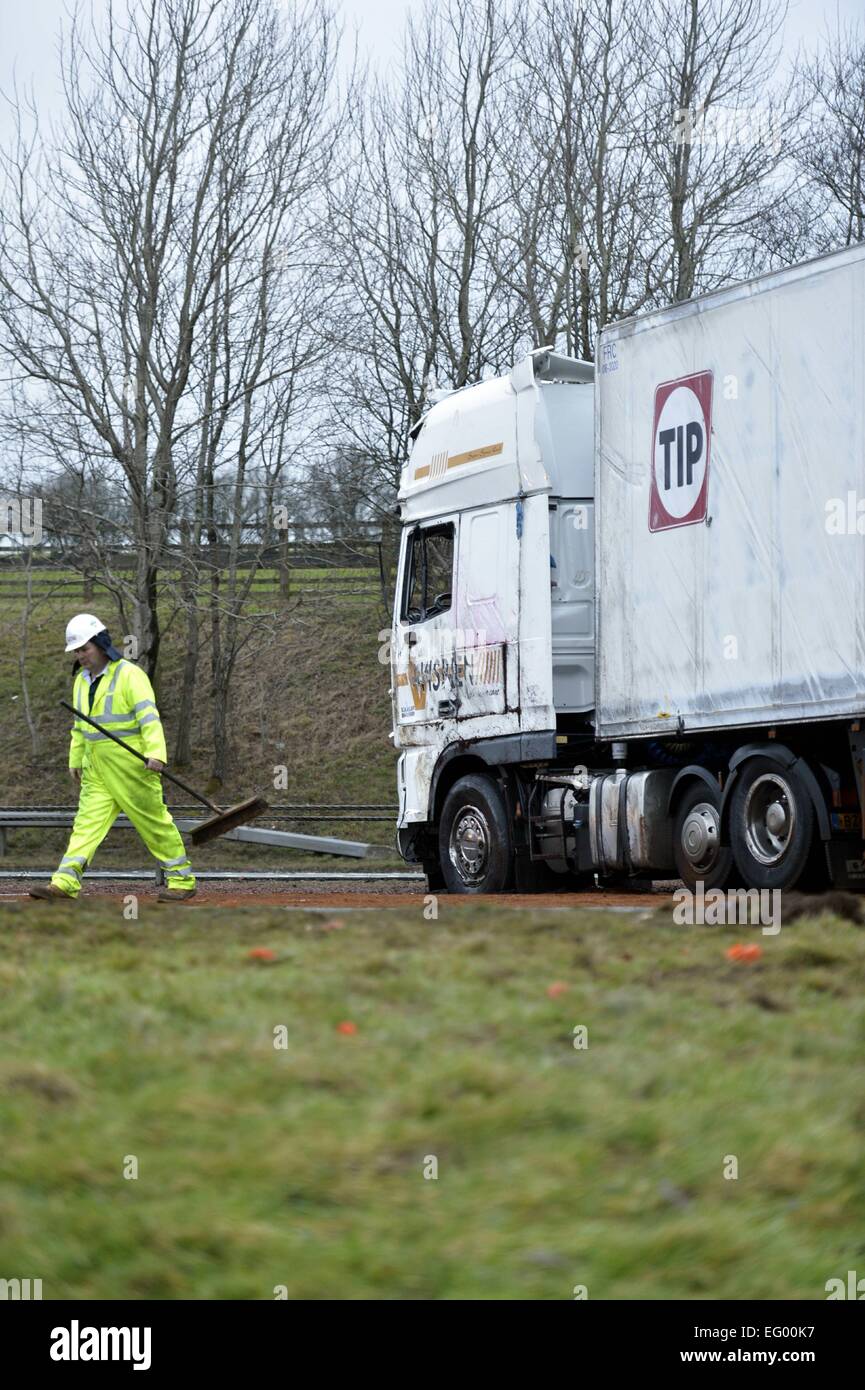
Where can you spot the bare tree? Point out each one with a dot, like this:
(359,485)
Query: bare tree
(415,230)
(719,132)
(583,191)
(529,175)
(831,149)
(144,229)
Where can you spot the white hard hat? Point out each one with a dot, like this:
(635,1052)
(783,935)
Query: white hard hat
(80,629)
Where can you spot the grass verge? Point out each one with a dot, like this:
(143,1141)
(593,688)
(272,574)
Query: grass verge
(303,1166)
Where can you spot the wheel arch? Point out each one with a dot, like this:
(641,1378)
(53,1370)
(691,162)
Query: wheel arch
(694,772)
(780,754)
(490,756)
(449,772)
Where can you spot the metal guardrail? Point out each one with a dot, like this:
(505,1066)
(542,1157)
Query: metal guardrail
(264,875)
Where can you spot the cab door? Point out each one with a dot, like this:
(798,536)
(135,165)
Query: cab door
(426,681)
(486,618)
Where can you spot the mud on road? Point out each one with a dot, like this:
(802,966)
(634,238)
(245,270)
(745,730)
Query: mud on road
(259,893)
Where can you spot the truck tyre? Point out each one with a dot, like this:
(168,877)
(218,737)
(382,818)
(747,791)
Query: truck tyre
(772,825)
(434,877)
(697,849)
(475,843)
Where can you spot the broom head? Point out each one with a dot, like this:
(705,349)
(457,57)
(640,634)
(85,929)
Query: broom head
(226,820)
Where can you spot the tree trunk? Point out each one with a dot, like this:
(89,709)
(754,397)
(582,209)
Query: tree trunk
(22,657)
(183,742)
(221,735)
(145,618)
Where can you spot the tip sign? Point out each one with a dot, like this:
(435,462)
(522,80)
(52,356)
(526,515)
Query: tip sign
(681,436)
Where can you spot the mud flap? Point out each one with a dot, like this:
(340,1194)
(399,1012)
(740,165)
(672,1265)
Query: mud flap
(847,864)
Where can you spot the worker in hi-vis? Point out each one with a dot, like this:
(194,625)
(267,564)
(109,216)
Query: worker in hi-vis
(116,694)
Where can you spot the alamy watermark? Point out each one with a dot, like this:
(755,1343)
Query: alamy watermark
(77,1343)
(845,516)
(21,517)
(725,126)
(24,1289)
(735,907)
(434,647)
(853,1287)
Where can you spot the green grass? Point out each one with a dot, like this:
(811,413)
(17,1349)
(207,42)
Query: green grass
(303,1167)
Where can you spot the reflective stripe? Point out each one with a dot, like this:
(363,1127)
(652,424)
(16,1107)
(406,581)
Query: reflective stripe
(149,719)
(67,866)
(109,700)
(142,704)
(118,733)
(111,718)
(118,723)
(171,863)
(74,859)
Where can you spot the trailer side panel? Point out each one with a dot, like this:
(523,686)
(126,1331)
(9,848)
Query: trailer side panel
(730,516)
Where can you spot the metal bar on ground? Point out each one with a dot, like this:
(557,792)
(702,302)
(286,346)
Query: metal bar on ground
(285,839)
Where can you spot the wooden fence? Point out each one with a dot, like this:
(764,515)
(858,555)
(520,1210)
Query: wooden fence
(318,570)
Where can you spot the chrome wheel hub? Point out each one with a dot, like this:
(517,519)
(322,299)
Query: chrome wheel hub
(770,818)
(469,846)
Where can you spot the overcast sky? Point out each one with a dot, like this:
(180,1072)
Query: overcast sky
(29,29)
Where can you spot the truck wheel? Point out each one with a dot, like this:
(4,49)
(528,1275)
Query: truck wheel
(434,877)
(697,849)
(475,846)
(771,825)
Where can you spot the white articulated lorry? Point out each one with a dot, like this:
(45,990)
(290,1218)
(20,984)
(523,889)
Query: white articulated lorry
(629,626)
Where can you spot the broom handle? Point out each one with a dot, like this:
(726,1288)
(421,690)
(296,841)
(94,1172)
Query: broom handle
(79,714)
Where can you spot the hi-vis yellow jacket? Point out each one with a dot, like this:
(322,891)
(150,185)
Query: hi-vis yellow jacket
(123,703)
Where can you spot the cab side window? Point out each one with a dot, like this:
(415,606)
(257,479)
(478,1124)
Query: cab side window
(429,573)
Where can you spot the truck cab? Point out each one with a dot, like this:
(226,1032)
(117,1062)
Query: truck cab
(492,646)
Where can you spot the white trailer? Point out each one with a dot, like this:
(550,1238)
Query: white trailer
(733,587)
(628,630)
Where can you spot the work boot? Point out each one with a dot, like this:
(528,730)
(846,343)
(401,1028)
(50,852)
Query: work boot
(49,891)
(175,895)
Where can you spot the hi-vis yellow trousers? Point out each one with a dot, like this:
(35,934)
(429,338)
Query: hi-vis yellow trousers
(111,782)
